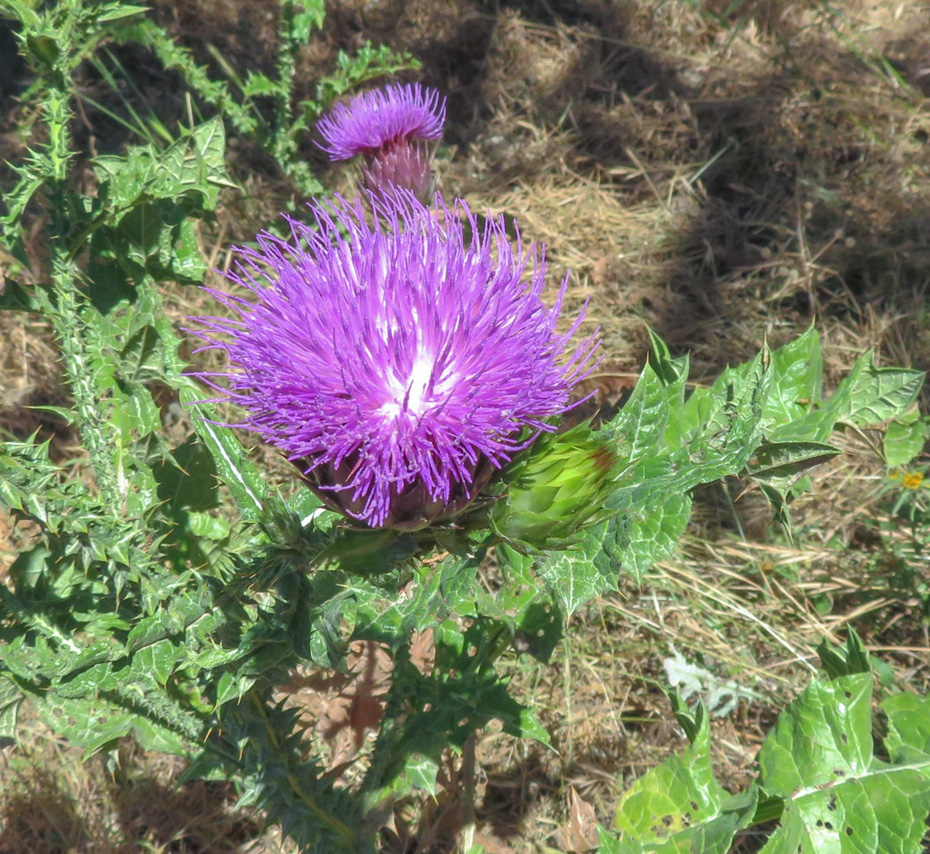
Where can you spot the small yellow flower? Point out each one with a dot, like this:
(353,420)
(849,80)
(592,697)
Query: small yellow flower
(912,480)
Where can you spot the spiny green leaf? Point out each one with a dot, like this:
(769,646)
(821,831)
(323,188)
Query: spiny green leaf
(879,394)
(797,379)
(260,743)
(436,592)
(640,427)
(579,574)
(195,164)
(22,11)
(33,173)
(189,482)
(654,533)
(117,11)
(353,69)
(783,461)
(11,698)
(257,83)
(249,489)
(309,15)
(780,469)
(846,660)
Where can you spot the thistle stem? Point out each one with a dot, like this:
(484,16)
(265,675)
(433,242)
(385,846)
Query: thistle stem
(468,784)
(346,836)
(65,305)
(283,141)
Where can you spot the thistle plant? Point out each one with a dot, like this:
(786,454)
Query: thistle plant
(390,128)
(408,363)
(396,364)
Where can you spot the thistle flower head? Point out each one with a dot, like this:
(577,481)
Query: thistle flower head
(397,364)
(389,127)
(381,117)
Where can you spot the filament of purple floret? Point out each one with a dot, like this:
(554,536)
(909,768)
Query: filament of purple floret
(406,351)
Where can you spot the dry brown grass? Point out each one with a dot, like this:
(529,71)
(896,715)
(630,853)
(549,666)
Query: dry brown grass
(720,179)
(117,803)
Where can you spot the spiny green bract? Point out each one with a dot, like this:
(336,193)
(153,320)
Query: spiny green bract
(556,489)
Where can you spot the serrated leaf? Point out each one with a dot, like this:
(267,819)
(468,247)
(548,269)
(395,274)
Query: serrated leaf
(259,84)
(733,406)
(670,371)
(368,552)
(42,49)
(309,15)
(783,461)
(530,613)
(438,591)
(654,533)
(867,395)
(579,574)
(780,469)
(418,773)
(86,722)
(680,807)
(157,660)
(538,629)
(153,736)
(838,795)
(674,375)
(905,438)
(194,164)
(232,687)
(22,12)
(237,471)
(846,660)
(118,11)
(33,173)
(353,69)
(879,394)
(650,502)
(189,482)
(797,381)
(908,736)
(640,427)
(11,697)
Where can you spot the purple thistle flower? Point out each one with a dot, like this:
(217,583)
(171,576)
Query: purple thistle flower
(389,127)
(377,119)
(397,365)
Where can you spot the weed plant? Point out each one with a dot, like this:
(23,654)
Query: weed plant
(171,593)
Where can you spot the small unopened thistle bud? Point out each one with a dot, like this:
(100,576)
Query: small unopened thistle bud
(391,129)
(555,490)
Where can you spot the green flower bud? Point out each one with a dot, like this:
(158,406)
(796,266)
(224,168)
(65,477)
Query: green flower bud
(555,489)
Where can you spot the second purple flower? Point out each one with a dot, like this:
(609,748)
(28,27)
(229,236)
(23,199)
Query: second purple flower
(390,128)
